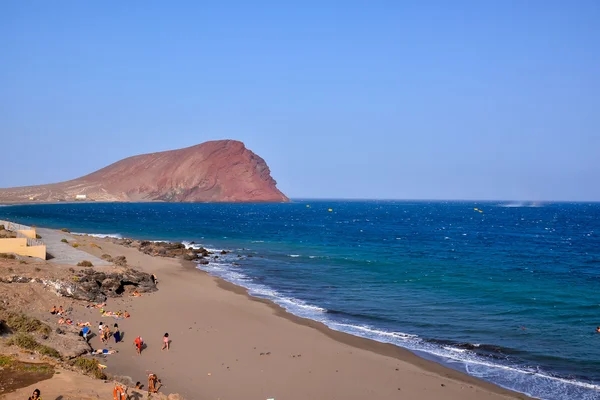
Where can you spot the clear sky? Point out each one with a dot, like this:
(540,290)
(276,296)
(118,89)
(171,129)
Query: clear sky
(493,99)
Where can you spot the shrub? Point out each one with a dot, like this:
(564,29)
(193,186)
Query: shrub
(64,240)
(2,228)
(37,236)
(89,367)
(48,351)
(8,256)
(24,341)
(85,263)
(95,245)
(6,361)
(27,342)
(75,245)
(106,257)
(65,230)
(22,262)
(36,269)
(25,324)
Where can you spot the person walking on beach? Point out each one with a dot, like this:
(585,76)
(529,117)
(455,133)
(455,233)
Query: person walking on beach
(165,342)
(138,342)
(100,329)
(117,334)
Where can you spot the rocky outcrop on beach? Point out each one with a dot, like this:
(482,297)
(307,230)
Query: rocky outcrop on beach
(169,249)
(216,171)
(92,285)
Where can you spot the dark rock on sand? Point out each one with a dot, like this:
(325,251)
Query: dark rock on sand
(97,286)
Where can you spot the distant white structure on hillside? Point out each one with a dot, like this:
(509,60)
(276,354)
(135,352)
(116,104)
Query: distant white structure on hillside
(80,197)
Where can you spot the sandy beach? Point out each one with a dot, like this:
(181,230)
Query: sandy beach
(228,345)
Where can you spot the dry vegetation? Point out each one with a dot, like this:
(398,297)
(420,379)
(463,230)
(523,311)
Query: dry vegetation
(85,263)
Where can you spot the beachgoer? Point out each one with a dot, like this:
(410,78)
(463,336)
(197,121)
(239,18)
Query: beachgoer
(136,294)
(138,385)
(85,331)
(117,333)
(126,314)
(104,351)
(155,279)
(106,333)
(60,310)
(54,310)
(153,383)
(36,395)
(165,342)
(138,342)
(100,329)
(598,329)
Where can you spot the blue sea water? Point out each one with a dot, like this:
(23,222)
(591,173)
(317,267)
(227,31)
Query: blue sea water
(510,294)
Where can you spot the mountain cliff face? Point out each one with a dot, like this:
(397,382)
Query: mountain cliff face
(217,171)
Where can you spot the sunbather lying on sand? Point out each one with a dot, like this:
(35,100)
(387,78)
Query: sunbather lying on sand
(136,294)
(104,351)
(82,324)
(65,321)
(95,305)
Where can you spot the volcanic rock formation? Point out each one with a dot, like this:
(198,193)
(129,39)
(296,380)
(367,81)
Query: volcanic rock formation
(216,171)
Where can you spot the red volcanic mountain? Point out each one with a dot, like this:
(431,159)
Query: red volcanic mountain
(217,171)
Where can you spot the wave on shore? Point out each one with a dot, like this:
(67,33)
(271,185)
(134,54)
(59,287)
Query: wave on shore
(100,235)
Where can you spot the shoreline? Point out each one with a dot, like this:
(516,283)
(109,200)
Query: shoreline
(267,309)
(380,348)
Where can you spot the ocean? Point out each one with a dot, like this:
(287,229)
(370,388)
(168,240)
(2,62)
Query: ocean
(505,292)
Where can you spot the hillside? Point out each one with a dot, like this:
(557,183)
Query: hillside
(216,171)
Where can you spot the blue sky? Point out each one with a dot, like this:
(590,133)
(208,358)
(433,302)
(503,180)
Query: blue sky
(344,99)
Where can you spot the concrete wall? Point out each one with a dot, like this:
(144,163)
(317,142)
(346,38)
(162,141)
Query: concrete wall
(19,246)
(30,233)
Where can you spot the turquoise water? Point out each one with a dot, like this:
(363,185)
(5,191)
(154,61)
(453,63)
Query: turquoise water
(510,295)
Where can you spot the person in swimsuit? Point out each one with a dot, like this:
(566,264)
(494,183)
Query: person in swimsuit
(35,395)
(104,351)
(153,383)
(138,342)
(165,342)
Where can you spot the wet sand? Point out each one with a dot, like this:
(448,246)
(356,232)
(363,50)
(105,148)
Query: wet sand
(228,345)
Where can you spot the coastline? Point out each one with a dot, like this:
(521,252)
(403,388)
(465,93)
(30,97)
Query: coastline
(373,368)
